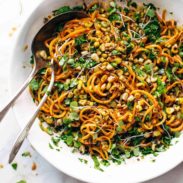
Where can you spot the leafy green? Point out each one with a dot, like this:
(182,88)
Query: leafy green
(77,8)
(31,60)
(59,27)
(161,88)
(55,140)
(113,4)
(27,153)
(127,154)
(14,166)
(126,10)
(150,5)
(139,71)
(137,119)
(71,61)
(152,30)
(151,13)
(119,128)
(152,54)
(96,163)
(61,10)
(74,116)
(77,144)
(73,105)
(177,134)
(129,47)
(115,17)
(60,86)
(112,9)
(80,40)
(137,17)
(69,140)
(147,150)
(169,74)
(42,71)
(116,52)
(50,146)
(160,40)
(50,130)
(134,4)
(136,151)
(73,83)
(148,68)
(105,163)
(83,160)
(90,64)
(66,86)
(21,181)
(67,101)
(93,8)
(130,105)
(66,121)
(63,60)
(34,85)
(166,140)
(181,54)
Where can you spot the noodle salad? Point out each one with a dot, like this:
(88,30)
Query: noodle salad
(118,88)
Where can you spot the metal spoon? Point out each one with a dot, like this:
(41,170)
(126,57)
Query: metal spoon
(38,44)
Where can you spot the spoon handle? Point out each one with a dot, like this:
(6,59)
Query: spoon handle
(13,99)
(23,134)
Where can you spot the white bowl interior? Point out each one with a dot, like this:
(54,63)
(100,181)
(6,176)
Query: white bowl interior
(65,160)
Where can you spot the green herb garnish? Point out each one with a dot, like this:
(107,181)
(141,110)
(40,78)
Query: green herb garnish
(34,85)
(80,40)
(26,154)
(21,181)
(61,10)
(14,166)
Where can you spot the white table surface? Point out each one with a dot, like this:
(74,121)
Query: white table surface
(12,15)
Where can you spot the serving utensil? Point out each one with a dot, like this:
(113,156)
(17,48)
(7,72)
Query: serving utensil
(38,45)
(45,32)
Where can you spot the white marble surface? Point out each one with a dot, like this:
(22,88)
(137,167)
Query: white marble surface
(12,15)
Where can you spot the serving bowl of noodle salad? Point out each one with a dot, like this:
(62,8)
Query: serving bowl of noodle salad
(116,108)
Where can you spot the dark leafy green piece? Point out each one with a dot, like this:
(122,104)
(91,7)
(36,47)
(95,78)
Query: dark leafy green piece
(26,154)
(63,60)
(152,30)
(151,13)
(73,105)
(60,86)
(93,8)
(21,181)
(61,10)
(137,17)
(69,140)
(105,163)
(14,166)
(32,60)
(150,5)
(80,40)
(148,68)
(74,116)
(115,17)
(34,85)
(161,88)
(78,8)
(96,163)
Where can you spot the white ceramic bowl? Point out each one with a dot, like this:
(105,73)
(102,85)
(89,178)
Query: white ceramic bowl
(65,160)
